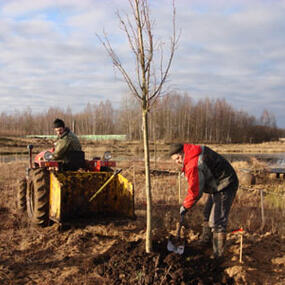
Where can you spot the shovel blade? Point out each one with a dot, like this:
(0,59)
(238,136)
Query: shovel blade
(175,244)
(175,248)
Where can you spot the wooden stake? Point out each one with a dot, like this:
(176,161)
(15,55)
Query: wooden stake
(240,248)
(240,231)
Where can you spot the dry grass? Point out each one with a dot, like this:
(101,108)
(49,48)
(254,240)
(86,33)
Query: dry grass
(133,148)
(246,210)
(165,194)
(32,255)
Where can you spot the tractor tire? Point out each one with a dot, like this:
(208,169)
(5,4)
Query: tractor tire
(38,197)
(21,195)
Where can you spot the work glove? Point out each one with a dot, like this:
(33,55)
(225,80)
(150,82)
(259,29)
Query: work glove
(183,211)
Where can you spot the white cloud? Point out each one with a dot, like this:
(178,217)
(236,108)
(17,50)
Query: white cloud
(49,52)
(18,8)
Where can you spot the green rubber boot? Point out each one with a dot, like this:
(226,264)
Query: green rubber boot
(206,236)
(219,243)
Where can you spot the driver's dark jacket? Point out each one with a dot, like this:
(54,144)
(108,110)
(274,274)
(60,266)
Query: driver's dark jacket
(66,143)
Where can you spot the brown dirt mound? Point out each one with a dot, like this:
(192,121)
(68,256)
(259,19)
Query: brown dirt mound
(128,263)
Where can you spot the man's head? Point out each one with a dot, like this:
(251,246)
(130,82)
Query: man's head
(58,126)
(176,152)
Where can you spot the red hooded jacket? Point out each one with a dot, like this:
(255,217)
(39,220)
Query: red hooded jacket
(206,171)
(190,168)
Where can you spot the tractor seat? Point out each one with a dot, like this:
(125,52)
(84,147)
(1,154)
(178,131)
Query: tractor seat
(74,160)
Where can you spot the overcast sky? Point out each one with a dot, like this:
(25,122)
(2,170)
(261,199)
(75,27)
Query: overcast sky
(231,49)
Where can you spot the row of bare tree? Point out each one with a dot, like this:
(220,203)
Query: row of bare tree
(173,117)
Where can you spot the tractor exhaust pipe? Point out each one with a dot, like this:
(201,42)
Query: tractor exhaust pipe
(30,148)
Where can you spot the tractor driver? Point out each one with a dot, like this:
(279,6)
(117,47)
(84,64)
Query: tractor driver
(67,147)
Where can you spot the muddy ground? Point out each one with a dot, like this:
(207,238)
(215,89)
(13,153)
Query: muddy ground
(112,250)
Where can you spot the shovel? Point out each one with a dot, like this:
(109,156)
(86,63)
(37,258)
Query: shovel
(176,244)
(106,183)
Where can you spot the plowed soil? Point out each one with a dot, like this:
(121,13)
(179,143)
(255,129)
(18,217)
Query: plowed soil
(112,250)
(129,264)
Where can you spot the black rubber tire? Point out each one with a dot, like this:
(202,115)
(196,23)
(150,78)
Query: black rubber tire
(38,197)
(21,195)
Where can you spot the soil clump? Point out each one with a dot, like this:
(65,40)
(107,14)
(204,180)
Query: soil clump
(128,263)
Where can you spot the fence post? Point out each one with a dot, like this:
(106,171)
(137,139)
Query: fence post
(262,209)
(134,175)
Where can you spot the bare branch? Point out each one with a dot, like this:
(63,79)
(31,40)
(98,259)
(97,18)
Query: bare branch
(130,35)
(173,44)
(117,63)
(138,31)
(141,50)
(150,37)
(150,41)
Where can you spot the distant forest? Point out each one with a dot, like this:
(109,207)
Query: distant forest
(173,117)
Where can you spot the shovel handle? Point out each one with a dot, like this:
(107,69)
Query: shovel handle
(180,226)
(106,183)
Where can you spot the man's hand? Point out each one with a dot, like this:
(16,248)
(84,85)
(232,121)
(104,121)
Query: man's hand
(183,211)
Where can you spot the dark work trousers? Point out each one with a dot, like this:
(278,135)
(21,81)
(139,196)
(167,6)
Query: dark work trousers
(217,208)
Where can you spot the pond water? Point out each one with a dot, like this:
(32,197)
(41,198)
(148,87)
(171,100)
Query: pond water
(273,159)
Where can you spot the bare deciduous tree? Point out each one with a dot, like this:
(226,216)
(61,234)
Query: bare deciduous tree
(173,118)
(148,83)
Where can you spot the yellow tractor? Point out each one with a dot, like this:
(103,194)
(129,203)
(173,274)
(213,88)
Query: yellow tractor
(48,192)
